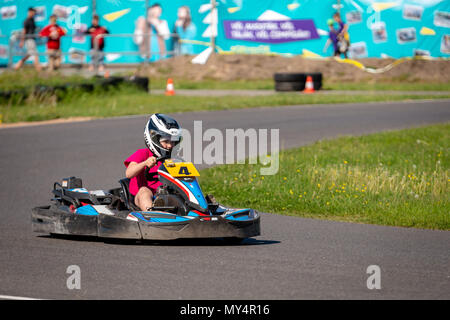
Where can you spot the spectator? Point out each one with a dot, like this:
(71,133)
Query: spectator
(54,33)
(97,44)
(28,39)
(342,34)
(332,38)
(184,29)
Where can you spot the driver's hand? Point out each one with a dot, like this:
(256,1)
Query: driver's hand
(150,162)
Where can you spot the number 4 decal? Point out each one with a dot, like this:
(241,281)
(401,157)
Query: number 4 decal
(184,170)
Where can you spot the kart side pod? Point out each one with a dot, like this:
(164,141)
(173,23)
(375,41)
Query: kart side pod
(145,225)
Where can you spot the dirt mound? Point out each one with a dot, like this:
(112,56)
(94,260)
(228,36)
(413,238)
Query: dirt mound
(235,67)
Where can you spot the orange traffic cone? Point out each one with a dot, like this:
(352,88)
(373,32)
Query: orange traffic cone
(170,91)
(309,86)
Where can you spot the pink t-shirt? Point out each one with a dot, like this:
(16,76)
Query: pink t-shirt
(140,181)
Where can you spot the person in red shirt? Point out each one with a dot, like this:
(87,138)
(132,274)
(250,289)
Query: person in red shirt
(97,44)
(54,33)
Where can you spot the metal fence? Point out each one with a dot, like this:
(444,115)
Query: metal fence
(96,55)
(4,50)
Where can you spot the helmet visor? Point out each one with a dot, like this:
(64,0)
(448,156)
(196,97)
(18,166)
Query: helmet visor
(158,139)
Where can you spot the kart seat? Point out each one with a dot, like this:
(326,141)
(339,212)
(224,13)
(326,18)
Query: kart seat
(127,197)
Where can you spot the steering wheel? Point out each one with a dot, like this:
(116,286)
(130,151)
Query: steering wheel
(162,158)
(148,176)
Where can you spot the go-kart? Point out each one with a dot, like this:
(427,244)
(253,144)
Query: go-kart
(180,210)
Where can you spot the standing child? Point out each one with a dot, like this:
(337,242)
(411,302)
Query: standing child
(28,40)
(97,44)
(342,34)
(332,38)
(54,33)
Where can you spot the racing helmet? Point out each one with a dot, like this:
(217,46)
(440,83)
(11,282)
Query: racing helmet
(161,126)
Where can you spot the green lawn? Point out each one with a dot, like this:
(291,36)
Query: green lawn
(11,80)
(126,100)
(268,84)
(29,77)
(130,101)
(398,178)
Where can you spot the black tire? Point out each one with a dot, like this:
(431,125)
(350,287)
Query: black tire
(107,83)
(289,77)
(86,87)
(115,81)
(317,85)
(316,76)
(140,82)
(42,90)
(289,86)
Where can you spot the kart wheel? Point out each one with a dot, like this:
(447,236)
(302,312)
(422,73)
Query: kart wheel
(233,240)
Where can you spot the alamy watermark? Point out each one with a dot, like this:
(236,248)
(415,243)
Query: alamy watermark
(233,146)
(374,280)
(74,280)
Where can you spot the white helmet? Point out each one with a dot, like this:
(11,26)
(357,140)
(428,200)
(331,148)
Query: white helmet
(160,126)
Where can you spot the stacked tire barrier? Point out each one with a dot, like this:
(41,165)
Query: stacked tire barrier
(296,81)
(139,82)
(99,83)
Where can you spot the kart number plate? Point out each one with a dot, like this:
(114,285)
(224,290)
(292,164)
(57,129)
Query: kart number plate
(182,169)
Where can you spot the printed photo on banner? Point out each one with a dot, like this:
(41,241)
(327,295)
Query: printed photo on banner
(442,19)
(76,56)
(353,17)
(406,35)
(41,13)
(412,12)
(8,12)
(445,44)
(3,51)
(185,31)
(421,53)
(15,37)
(61,12)
(379,33)
(79,31)
(358,50)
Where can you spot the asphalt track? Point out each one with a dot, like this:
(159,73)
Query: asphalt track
(294,258)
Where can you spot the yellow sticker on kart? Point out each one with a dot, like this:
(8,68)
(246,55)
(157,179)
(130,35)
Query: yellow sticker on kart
(182,169)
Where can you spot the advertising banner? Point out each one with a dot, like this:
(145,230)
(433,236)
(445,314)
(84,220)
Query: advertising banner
(147,31)
(270,31)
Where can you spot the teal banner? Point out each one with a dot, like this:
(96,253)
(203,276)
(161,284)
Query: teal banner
(141,30)
(376,28)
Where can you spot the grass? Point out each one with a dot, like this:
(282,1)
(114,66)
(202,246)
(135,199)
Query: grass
(28,77)
(11,80)
(212,84)
(398,178)
(130,101)
(268,84)
(126,100)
